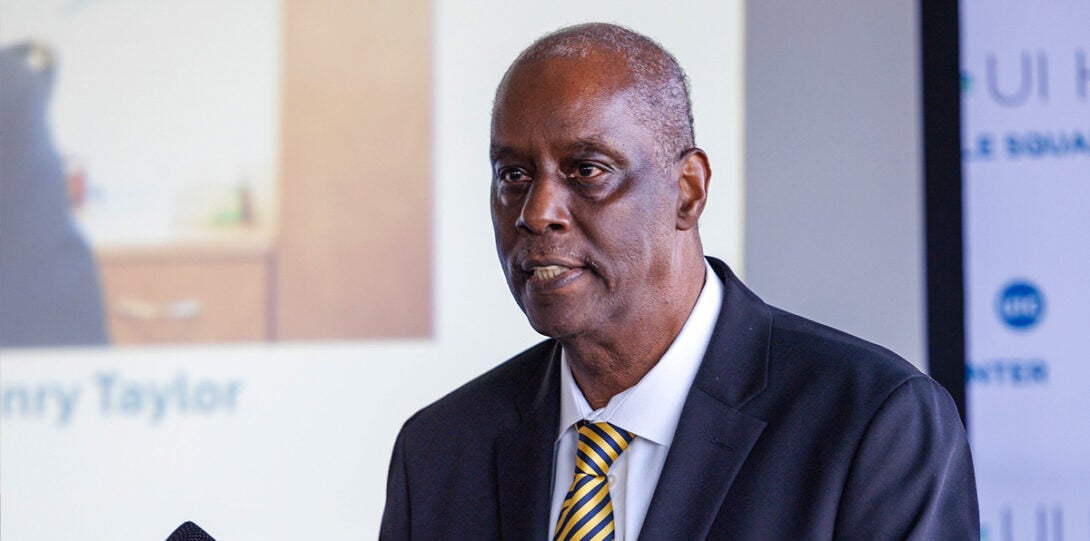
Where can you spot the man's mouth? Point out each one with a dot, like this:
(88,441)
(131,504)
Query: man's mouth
(548,272)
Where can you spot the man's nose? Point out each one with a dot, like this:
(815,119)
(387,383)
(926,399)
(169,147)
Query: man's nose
(545,207)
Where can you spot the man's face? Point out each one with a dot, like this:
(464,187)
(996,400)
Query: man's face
(584,213)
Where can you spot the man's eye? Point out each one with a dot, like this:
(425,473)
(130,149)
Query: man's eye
(514,175)
(587,170)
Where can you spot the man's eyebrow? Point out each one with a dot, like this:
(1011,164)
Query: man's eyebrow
(598,143)
(496,152)
(590,143)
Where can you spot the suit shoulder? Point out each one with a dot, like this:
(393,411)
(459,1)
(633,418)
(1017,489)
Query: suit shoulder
(492,398)
(843,384)
(804,352)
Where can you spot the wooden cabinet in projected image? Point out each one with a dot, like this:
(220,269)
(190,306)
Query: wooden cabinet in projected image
(197,293)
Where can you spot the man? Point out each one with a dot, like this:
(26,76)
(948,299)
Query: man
(670,401)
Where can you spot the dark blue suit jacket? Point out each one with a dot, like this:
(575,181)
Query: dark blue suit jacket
(791,431)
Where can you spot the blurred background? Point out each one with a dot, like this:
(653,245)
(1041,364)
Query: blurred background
(241,242)
(230,167)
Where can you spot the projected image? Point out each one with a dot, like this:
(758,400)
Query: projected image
(179,172)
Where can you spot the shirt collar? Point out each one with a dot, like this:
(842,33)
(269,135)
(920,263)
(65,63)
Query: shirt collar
(652,408)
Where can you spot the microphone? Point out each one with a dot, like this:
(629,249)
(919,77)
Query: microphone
(189,531)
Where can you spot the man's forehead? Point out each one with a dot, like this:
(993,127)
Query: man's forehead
(572,102)
(555,86)
(580,116)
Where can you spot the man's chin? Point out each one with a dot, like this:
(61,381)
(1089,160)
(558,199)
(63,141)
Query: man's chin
(571,311)
(552,324)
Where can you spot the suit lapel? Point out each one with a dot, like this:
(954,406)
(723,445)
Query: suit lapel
(713,437)
(524,457)
(709,448)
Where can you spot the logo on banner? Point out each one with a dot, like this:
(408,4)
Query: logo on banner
(1012,372)
(1031,76)
(1021,305)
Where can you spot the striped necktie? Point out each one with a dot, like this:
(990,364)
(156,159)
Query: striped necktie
(587,512)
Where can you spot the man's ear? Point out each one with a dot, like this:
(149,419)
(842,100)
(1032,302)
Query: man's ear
(694,174)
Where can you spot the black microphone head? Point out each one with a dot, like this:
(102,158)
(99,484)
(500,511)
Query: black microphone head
(190,532)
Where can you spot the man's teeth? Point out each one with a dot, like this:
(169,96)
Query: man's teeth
(549,272)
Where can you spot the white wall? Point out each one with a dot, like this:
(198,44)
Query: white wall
(302,449)
(834,185)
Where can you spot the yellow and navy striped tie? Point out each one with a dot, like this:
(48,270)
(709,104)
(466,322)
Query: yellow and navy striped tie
(587,512)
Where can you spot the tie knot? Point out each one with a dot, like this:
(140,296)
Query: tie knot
(599,445)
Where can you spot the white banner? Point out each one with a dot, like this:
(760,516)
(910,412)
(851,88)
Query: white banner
(1026,152)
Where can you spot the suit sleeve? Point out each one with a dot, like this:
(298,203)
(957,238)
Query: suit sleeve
(395,517)
(912,475)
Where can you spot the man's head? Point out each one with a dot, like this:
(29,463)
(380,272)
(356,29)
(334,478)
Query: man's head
(597,187)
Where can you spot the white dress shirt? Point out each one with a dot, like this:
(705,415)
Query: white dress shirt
(650,410)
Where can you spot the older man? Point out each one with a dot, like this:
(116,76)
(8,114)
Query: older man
(670,402)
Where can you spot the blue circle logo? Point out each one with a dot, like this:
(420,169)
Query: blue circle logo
(1020,305)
